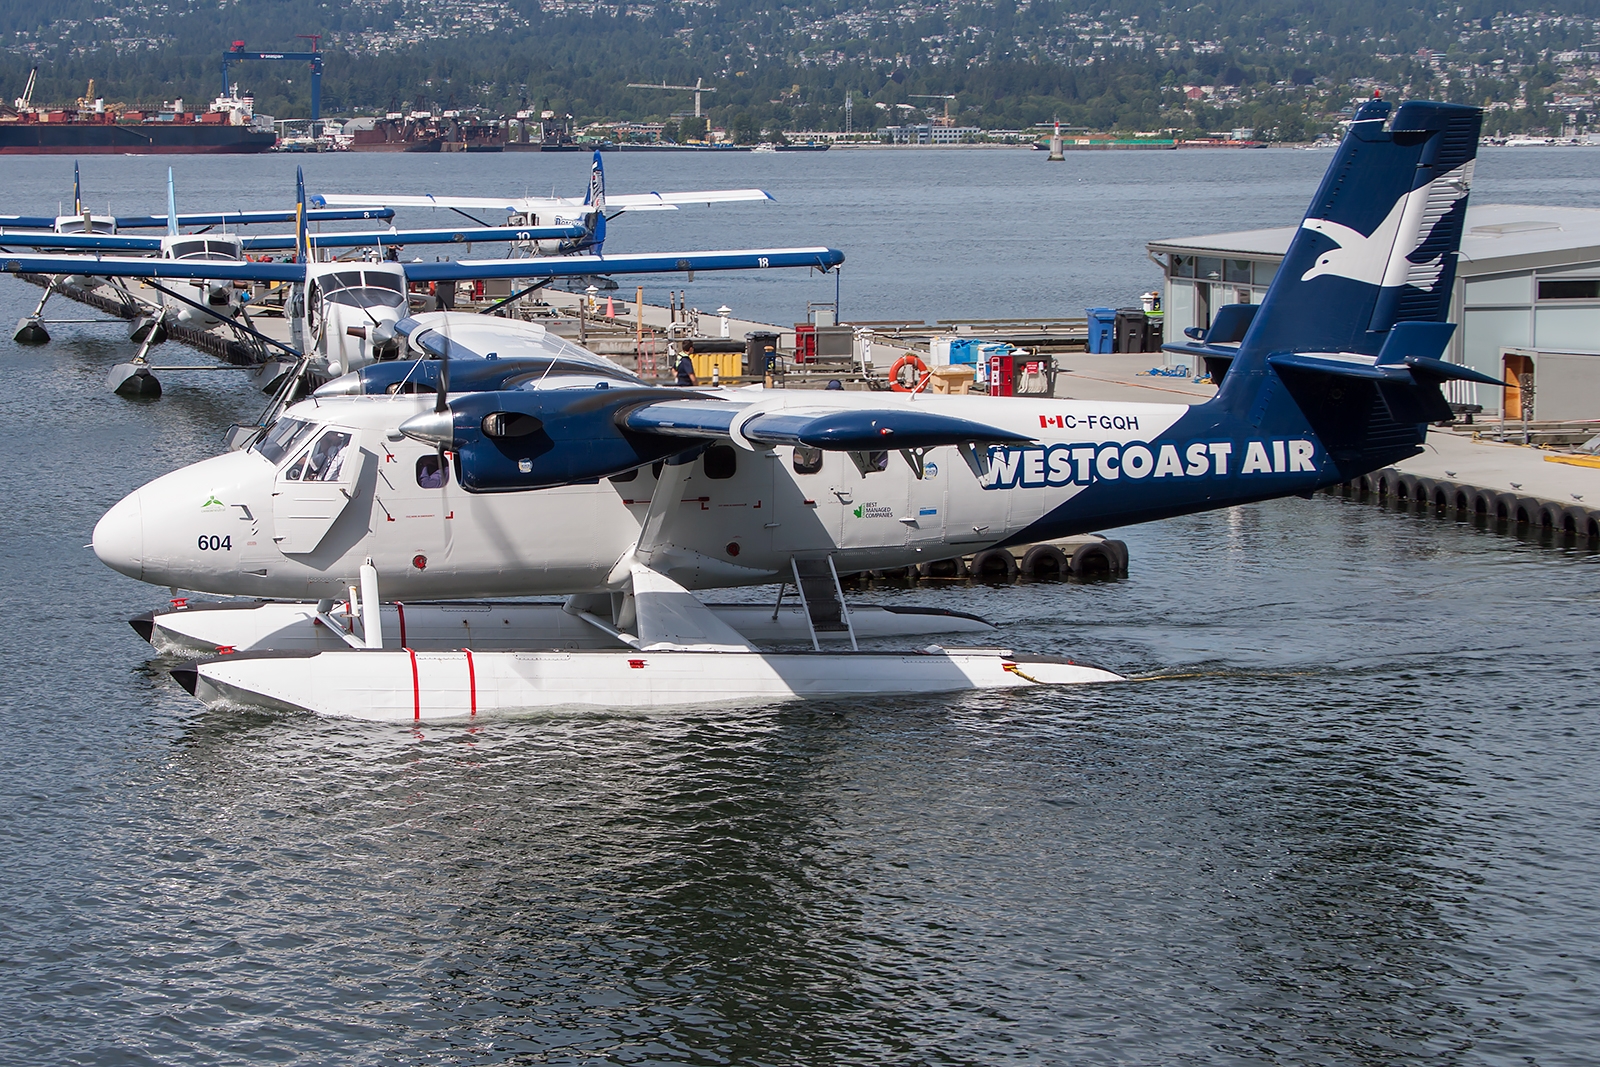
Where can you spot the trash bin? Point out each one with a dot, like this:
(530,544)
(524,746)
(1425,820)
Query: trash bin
(760,348)
(1102,324)
(1130,330)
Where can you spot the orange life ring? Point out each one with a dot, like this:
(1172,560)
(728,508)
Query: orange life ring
(912,359)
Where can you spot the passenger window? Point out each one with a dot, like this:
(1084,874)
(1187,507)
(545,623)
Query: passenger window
(431,473)
(721,462)
(325,463)
(807,460)
(874,461)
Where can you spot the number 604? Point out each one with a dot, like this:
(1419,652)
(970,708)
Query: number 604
(213,543)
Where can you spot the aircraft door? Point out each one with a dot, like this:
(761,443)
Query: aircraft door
(976,515)
(805,510)
(924,516)
(314,489)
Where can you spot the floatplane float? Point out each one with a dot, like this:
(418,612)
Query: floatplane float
(630,499)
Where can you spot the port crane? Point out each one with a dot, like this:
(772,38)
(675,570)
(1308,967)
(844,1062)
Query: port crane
(697,88)
(25,101)
(936,96)
(313,57)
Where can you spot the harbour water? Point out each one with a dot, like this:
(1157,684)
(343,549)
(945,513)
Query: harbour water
(1345,813)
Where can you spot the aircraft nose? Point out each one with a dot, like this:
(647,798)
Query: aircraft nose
(119,537)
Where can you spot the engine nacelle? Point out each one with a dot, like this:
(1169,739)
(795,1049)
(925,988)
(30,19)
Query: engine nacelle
(537,439)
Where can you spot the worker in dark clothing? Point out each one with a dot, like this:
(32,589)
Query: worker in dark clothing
(686,370)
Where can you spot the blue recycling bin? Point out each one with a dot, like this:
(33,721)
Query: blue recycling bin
(1102,329)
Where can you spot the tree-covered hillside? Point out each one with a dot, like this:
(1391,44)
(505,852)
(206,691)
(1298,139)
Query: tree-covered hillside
(1284,69)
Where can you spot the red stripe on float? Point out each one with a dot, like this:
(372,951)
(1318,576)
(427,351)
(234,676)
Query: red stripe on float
(401,608)
(472,680)
(416,688)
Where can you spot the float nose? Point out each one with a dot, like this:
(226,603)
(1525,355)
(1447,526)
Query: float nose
(119,537)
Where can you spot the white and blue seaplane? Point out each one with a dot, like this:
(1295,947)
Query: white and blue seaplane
(572,478)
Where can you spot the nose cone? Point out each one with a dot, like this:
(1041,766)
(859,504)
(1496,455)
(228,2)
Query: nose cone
(119,537)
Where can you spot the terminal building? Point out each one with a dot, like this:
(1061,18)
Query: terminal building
(1526,300)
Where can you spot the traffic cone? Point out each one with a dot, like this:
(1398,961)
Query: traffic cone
(611,309)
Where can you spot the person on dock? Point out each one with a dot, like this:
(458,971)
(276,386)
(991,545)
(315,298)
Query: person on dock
(686,370)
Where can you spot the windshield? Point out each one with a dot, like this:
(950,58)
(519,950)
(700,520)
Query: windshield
(281,438)
(323,462)
(200,249)
(363,289)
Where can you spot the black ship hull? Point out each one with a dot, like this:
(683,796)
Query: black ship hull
(144,138)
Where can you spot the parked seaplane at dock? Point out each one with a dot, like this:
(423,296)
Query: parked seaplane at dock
(343,313)
(220,299)
(591,211)
(628,499)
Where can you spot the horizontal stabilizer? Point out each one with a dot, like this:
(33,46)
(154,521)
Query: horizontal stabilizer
(649,263)
(1412,370)
(1439,370)
(844,430)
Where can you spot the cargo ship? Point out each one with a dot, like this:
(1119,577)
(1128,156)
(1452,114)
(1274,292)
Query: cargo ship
(230,126)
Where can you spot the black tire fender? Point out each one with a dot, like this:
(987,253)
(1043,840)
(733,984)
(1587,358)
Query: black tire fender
(1044,563)
(943,568)
(993,565)
(1093,560)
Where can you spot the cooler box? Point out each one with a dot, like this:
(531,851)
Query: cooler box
(964,351)
(1102,329)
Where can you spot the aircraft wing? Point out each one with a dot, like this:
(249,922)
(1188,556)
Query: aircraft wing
(31,222)
(246,218)
(97,242)
(465,203)
(836,429)
(657,201)
(128,267)
(648,263)
(383,238)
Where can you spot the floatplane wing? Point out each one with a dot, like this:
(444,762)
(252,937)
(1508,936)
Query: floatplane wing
(644,263)
(595,202)
(625,201)
(449,270)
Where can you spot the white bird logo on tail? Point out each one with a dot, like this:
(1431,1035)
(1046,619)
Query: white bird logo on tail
(1380,258)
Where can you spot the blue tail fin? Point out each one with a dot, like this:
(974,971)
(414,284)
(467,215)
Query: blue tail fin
(77,191)
(302,243)
(596,197)
(1378,245)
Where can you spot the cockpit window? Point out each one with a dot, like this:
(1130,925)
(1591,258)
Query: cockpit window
(281,438)
(203,249)
(325,461)
(363,289)
(431,473)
